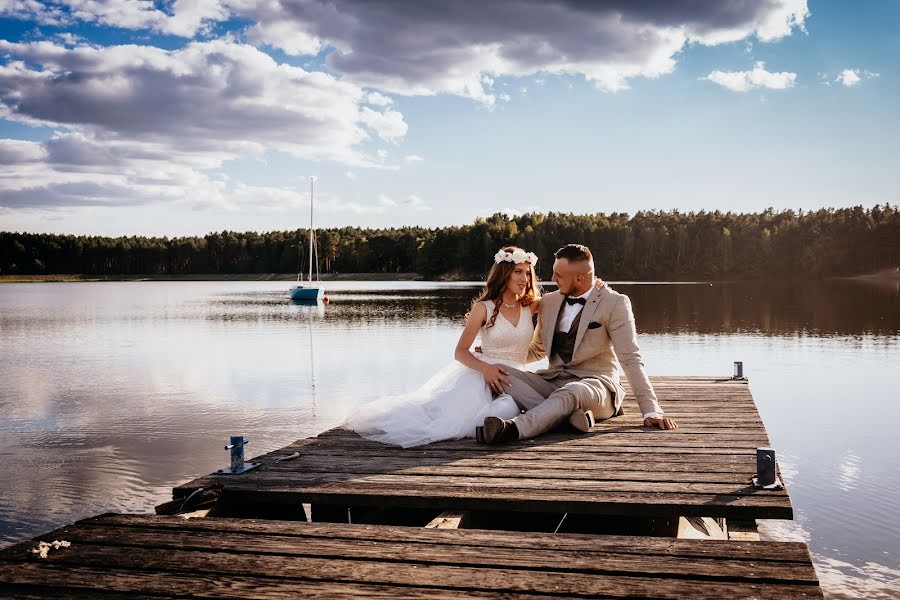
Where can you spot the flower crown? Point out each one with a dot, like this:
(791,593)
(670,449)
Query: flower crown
(516,256)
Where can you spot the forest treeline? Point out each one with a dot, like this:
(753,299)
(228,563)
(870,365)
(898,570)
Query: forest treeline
(648,245)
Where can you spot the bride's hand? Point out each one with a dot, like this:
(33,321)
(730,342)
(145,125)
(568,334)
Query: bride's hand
(495,377)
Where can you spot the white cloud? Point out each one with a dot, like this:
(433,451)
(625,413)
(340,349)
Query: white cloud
(416,203)
(222,101)
(389,125)
(377,99)
(69,39)
(291,39)
(13,152)
(462,49)
(186,18)
(350,175)
(852,77)
(848,77)
(412,158)
(456,48)
(758,77)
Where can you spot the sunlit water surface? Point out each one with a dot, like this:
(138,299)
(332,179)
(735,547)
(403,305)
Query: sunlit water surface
(112,393)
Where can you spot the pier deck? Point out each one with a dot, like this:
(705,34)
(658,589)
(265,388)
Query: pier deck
(137,556)
(618,468)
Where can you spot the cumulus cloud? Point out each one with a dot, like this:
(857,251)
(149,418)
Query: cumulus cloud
(215,95)
(147,114)
(14,152)
(758,77)
(378,99)
(848,77)
(461,47)
(388,124)
(185,18)
(852,77)
(412,158)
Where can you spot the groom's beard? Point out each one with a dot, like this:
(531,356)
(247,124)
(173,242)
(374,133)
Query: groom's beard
(565,291)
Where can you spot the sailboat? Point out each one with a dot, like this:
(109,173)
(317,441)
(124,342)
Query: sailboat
(310,291)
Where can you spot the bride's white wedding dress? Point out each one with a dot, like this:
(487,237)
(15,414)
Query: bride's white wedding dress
(455,400)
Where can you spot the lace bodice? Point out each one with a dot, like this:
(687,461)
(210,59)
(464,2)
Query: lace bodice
(504,341)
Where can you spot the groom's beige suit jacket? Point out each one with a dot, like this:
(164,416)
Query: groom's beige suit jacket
(606,336)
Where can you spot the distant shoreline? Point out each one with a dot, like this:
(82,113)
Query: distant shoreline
(209,277)
(883,275)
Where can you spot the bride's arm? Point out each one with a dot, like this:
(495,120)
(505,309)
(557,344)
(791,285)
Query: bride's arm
(493,374)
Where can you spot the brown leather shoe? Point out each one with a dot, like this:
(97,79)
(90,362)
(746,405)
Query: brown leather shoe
(498,431)
(582,420)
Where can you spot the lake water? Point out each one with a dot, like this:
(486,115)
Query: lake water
(112,393)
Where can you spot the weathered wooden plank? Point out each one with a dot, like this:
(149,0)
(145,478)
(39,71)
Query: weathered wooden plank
(57,580)
(541,470)
(227,557)
(97,541)
(618,436)
(538,500)
(573,445)
(513,454)
(519,485)
(578,461)
(777,551)
(450,519)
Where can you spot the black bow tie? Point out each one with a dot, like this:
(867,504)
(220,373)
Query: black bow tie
(574,301)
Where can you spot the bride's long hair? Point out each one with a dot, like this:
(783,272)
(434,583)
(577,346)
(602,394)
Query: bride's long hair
(496,282)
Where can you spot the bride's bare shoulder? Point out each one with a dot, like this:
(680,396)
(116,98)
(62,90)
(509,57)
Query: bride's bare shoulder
(479,311)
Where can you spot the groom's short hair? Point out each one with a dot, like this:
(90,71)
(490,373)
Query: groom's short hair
(575,253)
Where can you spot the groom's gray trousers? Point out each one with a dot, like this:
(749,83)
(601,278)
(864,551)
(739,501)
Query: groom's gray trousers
(549,402)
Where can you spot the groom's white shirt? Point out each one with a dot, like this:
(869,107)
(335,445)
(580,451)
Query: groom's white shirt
(569,312)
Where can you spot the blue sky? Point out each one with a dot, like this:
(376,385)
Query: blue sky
(185,117)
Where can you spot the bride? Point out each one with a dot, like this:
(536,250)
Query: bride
(459,396)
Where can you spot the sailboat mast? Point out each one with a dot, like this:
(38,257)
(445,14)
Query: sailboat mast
(311,181)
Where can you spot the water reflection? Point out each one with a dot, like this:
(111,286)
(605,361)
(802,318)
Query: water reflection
(771,308)
(782,308)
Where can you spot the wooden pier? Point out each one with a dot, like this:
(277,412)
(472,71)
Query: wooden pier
(618,468)
(150,555)
(543,517)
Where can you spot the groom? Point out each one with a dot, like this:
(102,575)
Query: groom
(586,328)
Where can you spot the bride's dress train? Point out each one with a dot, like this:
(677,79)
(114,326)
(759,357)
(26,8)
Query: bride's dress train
(455,400)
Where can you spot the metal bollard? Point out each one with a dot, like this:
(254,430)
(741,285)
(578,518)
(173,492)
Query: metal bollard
(738,370)
(765,467)
(237,456)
